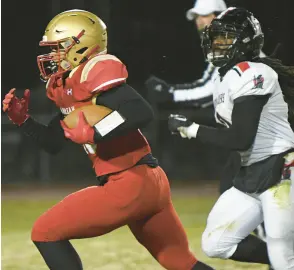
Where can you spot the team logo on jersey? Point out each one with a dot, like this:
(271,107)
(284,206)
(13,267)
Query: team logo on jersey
(69,92)
(258,81)
(220,99)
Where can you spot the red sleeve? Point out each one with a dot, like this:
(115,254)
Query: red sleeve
(104,73)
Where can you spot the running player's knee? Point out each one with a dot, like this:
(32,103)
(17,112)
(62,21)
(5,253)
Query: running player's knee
(43,230)
(281,252)
(174,258)
(215,247)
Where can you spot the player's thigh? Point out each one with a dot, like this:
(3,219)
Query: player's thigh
(86,213)
(129,195)
(233,217)
(278,211)
(163,235)
(279,225)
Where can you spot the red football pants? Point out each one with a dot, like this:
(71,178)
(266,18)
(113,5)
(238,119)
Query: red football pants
(140,198)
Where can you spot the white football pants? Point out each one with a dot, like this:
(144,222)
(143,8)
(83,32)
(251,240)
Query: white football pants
(236,214)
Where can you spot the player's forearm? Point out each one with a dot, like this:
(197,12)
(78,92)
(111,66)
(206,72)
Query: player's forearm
(226,138)
(131,112)
(198,93)
(241,134)
(201,92)
(50,138)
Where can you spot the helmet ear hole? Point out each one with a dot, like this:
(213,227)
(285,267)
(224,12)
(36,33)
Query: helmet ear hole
(82,50)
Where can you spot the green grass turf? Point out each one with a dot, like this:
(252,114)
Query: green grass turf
(116,251)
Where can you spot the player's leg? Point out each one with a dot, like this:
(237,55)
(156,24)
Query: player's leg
(279,225)
(59,255)
(227,235)
(85,213)
(226,182)
(92,212)
(163,235)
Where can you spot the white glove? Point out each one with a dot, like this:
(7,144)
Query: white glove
(189,132)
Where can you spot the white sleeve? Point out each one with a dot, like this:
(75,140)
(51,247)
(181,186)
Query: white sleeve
(194,94)
(254,81)
(262,54)
(201,89)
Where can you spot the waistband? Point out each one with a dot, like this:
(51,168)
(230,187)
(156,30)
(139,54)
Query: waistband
(148,160)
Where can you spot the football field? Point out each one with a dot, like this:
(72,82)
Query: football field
(115,251)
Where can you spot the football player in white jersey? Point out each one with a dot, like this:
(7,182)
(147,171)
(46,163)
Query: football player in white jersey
(199,92)
(253,101)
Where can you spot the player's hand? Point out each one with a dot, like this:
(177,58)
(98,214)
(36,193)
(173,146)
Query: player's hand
(159,90)
(17,108)
(180,124)
(82,133)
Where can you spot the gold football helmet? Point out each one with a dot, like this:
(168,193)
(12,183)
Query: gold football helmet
(72,37)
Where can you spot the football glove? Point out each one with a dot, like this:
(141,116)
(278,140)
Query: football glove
(159,90)
(83,133)
(179,124)
(17,108)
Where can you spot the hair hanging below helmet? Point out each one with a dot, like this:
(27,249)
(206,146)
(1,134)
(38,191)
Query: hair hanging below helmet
(234,35)
(72,37)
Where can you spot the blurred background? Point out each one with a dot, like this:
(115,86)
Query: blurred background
(150,37)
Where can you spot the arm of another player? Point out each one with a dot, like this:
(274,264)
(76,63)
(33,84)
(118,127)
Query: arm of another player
(198,90)
(239,136)
(249,99)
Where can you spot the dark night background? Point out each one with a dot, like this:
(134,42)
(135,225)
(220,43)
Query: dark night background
(150,37)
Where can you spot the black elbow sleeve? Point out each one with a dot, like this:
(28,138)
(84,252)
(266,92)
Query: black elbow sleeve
(50,138)
(148,112)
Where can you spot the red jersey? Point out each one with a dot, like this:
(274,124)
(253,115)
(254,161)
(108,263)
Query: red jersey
(85,82)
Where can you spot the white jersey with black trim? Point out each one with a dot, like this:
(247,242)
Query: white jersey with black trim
(274,134)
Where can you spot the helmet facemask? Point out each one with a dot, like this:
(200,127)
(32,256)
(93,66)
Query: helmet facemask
(219,44)
(234,36)
(55,61)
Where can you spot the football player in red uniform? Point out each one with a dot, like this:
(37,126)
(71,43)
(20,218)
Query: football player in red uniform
(132,189)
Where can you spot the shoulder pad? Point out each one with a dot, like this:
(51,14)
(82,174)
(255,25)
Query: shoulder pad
(241,68)
(103,72)
(95,60)
(251,79)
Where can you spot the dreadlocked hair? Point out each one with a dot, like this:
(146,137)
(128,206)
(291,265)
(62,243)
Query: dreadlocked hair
(286,81)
